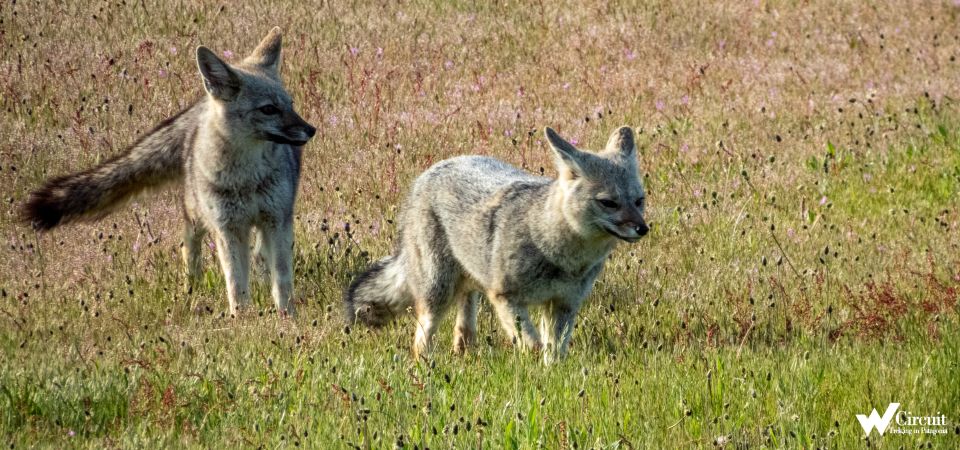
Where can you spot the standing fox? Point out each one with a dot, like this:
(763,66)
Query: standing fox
(237,153)
(476,224)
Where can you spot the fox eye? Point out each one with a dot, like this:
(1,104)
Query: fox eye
(639,202)
(607,203)
(269,110)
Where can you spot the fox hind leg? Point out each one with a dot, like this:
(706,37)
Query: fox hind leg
(259,266)
(431,309)
(429,315)
(465,331)
(433,276)
(190,251)
(426,325)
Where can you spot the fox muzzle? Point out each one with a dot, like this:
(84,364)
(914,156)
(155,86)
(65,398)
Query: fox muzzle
(296,133)
(629,231)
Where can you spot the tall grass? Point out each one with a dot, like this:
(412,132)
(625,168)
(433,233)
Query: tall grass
(803,169)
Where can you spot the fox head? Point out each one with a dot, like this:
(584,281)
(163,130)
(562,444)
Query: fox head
(251,96)
(601,192)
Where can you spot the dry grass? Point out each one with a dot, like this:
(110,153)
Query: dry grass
(801,160)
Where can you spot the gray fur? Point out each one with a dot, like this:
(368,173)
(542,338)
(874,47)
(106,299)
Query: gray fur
(475,224)
(153,160)
(237,153)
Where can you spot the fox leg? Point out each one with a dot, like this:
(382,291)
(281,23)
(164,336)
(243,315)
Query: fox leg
(233,250)
(190,250)
(431,301)
(556,326)
(465,331)
(515,320)
(428,317)
(433,275)
(276,245)
(430,307)
(259,268)
(426,325)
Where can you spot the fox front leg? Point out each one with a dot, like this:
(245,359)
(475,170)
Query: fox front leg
(277,249)
(556,325)
(233,250)
(515,320)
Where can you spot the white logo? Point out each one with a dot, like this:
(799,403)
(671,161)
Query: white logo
(876,421)
(907,423)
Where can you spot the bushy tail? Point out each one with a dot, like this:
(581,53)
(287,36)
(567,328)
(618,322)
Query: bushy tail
(155,158)
(378,294)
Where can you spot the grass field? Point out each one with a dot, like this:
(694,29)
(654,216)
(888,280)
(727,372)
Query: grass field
(802,161)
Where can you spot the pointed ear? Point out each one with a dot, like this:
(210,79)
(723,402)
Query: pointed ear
(218,78)
(569,159)
(267,53)
(622,142)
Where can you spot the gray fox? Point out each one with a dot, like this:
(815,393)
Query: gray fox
(475,224)
(237,153)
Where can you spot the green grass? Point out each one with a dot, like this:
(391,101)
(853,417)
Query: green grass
(803,170)
(314,393)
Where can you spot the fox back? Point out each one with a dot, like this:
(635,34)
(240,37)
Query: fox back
(512,231)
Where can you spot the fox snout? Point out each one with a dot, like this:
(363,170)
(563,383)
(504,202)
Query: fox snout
(640,228)
(628,225)
(302,126)
(294,131)
(303,130)
(631,230)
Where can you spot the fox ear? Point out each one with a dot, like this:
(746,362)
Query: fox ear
(267,53)
(218,78)
(569,159)
(622,142)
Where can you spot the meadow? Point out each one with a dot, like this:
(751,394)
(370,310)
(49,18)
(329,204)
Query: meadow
(802,165)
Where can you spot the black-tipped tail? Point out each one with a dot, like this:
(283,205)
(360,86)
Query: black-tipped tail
(377,295)
(155,158)
(43,210)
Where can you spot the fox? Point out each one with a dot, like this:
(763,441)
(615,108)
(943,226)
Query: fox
(237,153)
(475,225)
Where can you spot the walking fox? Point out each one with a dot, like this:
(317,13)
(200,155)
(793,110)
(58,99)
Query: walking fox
(475,224)
(237,153)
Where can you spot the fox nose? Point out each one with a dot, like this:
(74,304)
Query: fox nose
(642,229)
(310,129)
